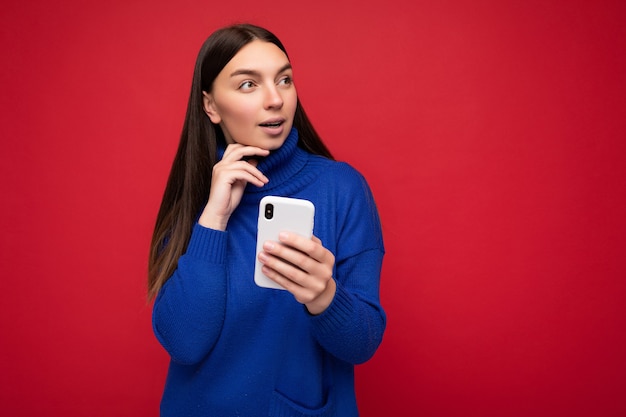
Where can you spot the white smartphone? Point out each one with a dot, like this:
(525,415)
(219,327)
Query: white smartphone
(280,214)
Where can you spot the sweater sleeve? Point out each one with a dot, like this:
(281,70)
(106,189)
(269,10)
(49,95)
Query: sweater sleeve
(188,312)
(352,327)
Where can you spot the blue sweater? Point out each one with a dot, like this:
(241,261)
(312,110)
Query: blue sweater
(240,350)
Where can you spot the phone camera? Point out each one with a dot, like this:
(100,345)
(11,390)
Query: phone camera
(269,211)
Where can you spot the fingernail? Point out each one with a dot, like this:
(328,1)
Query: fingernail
(283,235)
(268,245)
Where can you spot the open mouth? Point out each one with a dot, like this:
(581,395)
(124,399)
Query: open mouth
(272,124)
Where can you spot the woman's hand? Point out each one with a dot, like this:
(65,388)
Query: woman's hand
(304,267)
(230,176)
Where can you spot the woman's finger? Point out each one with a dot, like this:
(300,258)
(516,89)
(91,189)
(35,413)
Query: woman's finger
(239,170)
(235,152)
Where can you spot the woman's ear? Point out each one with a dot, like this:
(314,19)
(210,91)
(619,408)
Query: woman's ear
(209,108)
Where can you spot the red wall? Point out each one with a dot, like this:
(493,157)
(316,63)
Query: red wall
(492,133)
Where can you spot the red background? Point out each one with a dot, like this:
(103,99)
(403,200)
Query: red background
(492,133)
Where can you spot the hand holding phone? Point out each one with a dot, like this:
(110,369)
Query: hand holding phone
(280,214)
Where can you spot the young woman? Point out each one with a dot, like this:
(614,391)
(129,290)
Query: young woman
(238,349)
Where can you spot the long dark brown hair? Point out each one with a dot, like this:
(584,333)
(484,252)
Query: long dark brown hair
(187,189)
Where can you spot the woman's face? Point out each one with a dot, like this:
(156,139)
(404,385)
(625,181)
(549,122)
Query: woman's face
(253,98)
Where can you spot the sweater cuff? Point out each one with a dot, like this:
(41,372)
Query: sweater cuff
(338,313)
(207,244)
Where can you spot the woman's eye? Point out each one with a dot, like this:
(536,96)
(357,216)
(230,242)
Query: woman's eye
(285,81)
(246,85)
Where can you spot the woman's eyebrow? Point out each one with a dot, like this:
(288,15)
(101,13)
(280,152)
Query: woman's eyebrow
(256,73)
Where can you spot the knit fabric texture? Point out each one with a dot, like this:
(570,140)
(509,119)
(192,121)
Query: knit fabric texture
(237,349)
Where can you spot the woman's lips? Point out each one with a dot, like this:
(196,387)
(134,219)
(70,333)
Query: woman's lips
(273,126)
(272,123)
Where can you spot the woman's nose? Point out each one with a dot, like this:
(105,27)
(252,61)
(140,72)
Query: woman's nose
(273,98)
